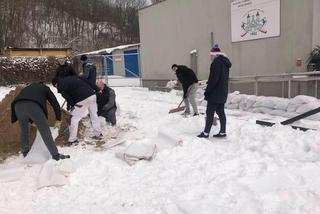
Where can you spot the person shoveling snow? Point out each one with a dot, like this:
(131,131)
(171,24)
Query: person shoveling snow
(30,107)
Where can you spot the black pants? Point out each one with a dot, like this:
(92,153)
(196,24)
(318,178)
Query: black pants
(110,116)
(27,110)
(211,109)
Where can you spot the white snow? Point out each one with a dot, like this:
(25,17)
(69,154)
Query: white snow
(110,50)
(254,170)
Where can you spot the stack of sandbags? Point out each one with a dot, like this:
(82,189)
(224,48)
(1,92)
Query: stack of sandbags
(274,105)
(301,104)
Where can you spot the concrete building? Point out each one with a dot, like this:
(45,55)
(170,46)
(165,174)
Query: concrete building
(183,31)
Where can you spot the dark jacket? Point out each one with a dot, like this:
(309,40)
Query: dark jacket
(40,94)
(89,73)
(217,88)
(186,77)
(65,70)
(74,89)
(106,100)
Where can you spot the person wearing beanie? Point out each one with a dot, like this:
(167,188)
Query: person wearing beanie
(30,106)
(216,92)
(189,82)
(89,71)
(64,69)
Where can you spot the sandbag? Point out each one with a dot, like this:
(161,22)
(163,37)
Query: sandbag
(39,152)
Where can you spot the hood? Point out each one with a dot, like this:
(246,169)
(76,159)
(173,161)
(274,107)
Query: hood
(224,60)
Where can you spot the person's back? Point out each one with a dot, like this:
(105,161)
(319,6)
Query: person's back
(38,93)
(73,89)
(65,70)
(89,70)
(217,88)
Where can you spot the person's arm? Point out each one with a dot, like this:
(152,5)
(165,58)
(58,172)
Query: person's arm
(112,100)
(66,96)
(215,72)
(86,72)
(54,103)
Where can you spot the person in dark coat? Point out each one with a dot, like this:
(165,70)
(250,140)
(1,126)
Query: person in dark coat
(64,69)
(216,92)
(189,81)
(106,100)
(31,106)
(89,71)
(80,99)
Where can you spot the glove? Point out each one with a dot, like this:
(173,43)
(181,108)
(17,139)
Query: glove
(57,124)
(70,108)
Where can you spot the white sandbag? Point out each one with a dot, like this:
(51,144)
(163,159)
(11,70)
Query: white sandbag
(263,110)
(264,102)
(278,112)
(282,104)
(300,99)
(292,107)
(39,152)
(291,114)
(308,107)
(236,99)
(251,101)
(9,173)
(233,106)
(166,140)
(136,152)
(51,176)
(171,84)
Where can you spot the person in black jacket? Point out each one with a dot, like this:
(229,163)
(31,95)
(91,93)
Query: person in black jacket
(189,81)
(216,92)
(64,68)
(106,100)
(31,106)
(80,99)
(89,71)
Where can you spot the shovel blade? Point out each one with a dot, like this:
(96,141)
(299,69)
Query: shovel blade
(174,110)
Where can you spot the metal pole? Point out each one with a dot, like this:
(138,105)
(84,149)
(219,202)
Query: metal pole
(282,89)
(212,39)
(256,85)
(289,88)
(316,88)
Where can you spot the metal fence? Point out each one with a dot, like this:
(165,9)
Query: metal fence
(286,82)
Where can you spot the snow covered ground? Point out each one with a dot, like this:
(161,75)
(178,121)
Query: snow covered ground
(256,170)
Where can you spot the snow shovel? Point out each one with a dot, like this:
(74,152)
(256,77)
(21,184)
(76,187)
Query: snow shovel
(179,108)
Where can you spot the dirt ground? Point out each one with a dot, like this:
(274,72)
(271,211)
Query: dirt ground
(10,133)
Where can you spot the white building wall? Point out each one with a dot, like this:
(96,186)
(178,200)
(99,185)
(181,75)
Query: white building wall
(171,29)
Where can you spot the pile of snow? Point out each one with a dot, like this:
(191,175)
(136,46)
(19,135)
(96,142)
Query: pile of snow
(274,105)
(254,170)
(172,84)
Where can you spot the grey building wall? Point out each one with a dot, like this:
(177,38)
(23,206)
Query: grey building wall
(171,29)
(316,23)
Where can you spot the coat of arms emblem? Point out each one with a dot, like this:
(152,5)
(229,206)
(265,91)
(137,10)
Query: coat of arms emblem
(255,22)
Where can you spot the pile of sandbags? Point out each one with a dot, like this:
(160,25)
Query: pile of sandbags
(273,105)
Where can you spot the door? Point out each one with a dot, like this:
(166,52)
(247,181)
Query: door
(131,63)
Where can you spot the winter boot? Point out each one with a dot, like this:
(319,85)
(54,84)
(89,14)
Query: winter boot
(70,143)
(99,137)
(60,157)
(220,135)
(203,135)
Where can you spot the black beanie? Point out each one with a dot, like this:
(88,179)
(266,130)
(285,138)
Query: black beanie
(83,58)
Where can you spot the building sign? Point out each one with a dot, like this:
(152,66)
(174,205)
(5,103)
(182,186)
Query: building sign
(254,19)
